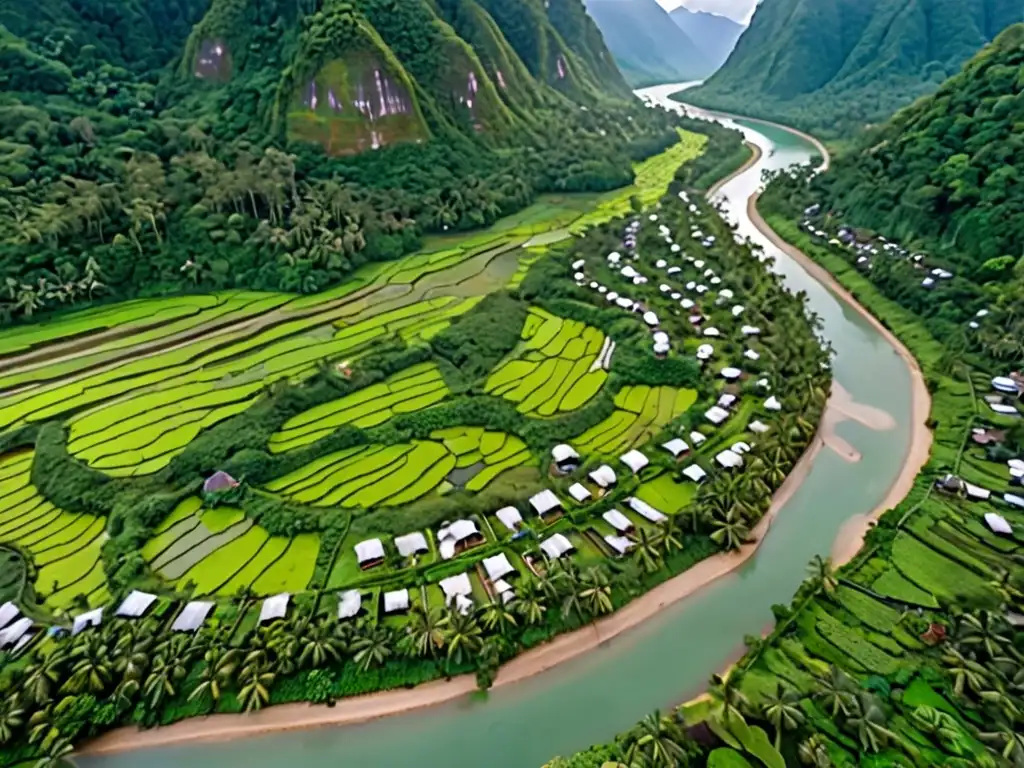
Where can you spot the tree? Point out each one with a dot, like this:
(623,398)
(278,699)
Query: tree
(425,632)
(813,751)
(782,709)
(867,720)
(215,674)
(646,551)
(669,536)
(319,644)
(822,574)
(658,742)
(529,603)
(12,718)
(255,680)
(596,595)
(371,647)
(497,617)
(730,532)
(463,636)
(42,677)
(836,692)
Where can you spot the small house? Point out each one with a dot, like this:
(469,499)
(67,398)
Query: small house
(604,477)
(546,504)
(635,460)
(369,553)
(510,518)
(135,605)
(275,607)
(565,458)
(757,426)
(192,616)
(698,438)
(555,546)
(219,482)
(458,537)
(350,603)
(729,459)
(396,601)
(645,510)
(998,524)
(727,400)
(16,635)
(695,473)
(618,521)
(83,621)
(772,404)
(677,447)
(716,415)
(498,567)
(619,544)
(579,493)
(8,613)
(730,373)
(410,544)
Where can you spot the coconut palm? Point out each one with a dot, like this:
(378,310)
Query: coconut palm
(646,551)
(669,537)
(42,676)
(91,670)
(658,742)
(597,591)
(836,692)
(498,617)
(424,632)
(255,680)
(813,751)
(822,574)
(12,718)
(967,673)
(530,603)
(1006,739)
(728,701)
(463,636)
(371,647)
(55,754)
(984,631)
(731,532)
(782,709)
(868,721)
(215,674)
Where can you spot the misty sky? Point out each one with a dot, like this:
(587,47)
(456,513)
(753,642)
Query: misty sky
(740,10)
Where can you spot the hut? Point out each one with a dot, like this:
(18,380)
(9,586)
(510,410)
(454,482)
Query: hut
(716,415)
(458,537)
(135,605)
(396,601)
(758,426)
(695,473)
(555,546)
(16,635)
(369,553)
(772,404)
(411,544)
(510,518)
(546,504)
(645,510)
(727,400)
(698,438)
(731,374)
(619,544)
(579,493)
(729,459)
(618,521)
(604,477)
(8,613)
(677,447)
(350,603)
(498,567)
(565,458)
(192,616)
(635,460)
(275,607)
(219,482)
(83,621)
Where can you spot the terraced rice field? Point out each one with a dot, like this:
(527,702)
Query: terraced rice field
(640,412)
(220,551)
(410,390)
(555,370)
(64,546)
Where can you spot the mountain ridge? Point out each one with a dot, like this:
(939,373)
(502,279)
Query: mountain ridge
(712,33)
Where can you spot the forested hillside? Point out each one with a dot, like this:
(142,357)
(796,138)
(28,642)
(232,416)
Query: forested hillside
(174,145)
(833,66)
(948,172)
(646,43)
(715,36)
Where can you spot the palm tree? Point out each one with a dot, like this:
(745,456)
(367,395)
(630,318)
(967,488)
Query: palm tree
(782,710)
(90,669)
(59,749)
(597,591)
(42,675)
(570,589)
(372,647)
(215,674)
(814,752)
(646,551)
(657,742)
(463,637)
(868,721)
(669,536)
(822,574)
(255,680)
(983,630)
(836,692)
(731,532)
(728,701)
(529,603)
(12,717)
(497,617)
(1007,739)
(424,632)
(966,672)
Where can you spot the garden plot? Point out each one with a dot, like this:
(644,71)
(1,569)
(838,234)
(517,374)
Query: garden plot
(491,453)
(551,372)
(641,412)
(410,390)
(219,552)
(65,547)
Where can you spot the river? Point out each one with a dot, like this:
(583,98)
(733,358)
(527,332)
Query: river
(669,658)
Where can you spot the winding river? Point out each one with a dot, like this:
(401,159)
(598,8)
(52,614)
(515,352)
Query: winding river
(669,658)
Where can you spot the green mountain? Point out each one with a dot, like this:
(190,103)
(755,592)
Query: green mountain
(168,145)
(835,65)
(716,36)
(948,171)
(647,45)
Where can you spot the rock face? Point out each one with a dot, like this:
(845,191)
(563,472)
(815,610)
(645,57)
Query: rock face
(839,64)
(647,44)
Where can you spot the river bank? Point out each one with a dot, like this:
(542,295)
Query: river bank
(755,157)
(851,536)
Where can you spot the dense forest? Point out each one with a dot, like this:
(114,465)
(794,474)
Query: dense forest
(835,66)
(163,147)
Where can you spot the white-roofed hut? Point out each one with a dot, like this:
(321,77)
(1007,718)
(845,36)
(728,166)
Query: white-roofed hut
(677,447)
(716,415)
(83,621)
(135,605)
(635,460)
(510,517)
(565,458)
(729,459)
(370,553)
(619,544)
(8,613)
(457,537)
(498,567)
(411,544)
(275,607)
(192,616)
(555,546)
(13,635)
(350,602)
(645,510)
(546,504)
(695,473)
(579,493)
(396,601)
(604,477)
(618,521)
(998,524)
